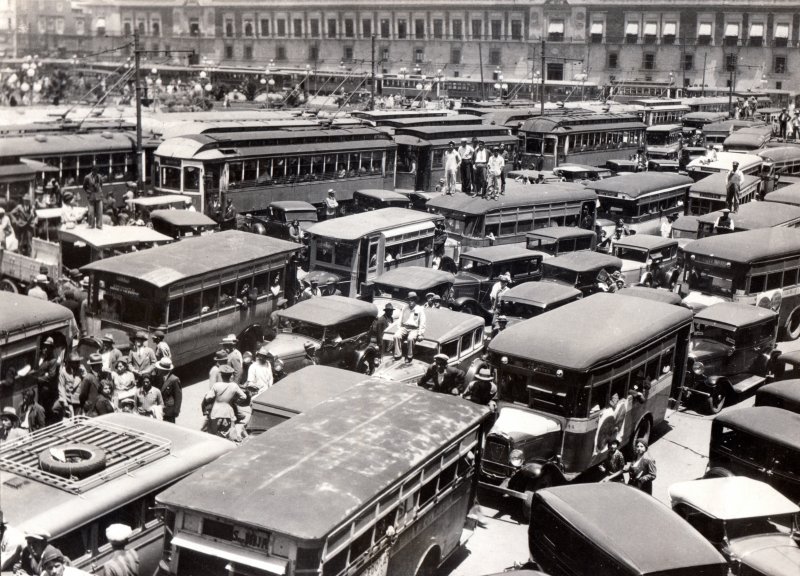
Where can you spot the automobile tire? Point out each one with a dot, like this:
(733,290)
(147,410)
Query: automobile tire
(366,365)
(791,329)
(718,473)
(82,460)
(7,285)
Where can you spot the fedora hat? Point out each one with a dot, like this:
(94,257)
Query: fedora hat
(164,364)
(221,356)
(95,359)
(230,339)
(10,412)
(484,374)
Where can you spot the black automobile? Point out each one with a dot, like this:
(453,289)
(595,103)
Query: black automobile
(278,217)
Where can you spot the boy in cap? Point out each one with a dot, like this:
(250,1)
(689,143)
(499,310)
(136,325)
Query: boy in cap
(123,562)
(9,425)
(32,554)
(220,402)
(482,389)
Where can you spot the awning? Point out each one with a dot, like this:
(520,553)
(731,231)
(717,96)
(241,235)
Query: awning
(651,29)
(230,553)
(670,29)
(632,29)
(597,28)
(757,31)
(555,27)
(732,31)
(782,31)
(704,30)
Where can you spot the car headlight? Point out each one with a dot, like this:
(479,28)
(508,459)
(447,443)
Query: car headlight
(516,458)
(698,368)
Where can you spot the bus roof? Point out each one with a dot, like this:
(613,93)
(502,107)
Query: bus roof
(517,195)
(193,256)
(293,205)
(725,161)
(704,116)
(111,236)
(415,277)
(749,246)
(664,296)
(182,218)
(302,390)
(631,526)
(563,337)
(780,153)
(734,314)
(329,310)
(315,471)
(541,293)
(159,200)
(380,194)
(444,324)
(753,215)
(501,253)
(61,144)
(584,261)
(43,501)
(645,241)
(715,184)
(21,313)
(786,195)
(559,232)
(357,226)
(769,422)
(734,498)
(640,183)
(581,122)
(665,128)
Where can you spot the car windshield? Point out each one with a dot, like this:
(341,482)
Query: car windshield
(780,524)
(715,333)
(304,216)
(543,244)
(305,329)
(518,309)
(559,274)
(474,267)
(711,281)
(628,253)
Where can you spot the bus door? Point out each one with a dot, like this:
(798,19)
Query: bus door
(376,246)
(424,171)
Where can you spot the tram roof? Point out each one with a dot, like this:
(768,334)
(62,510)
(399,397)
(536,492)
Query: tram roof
(748,246)
(780,153)
(517,195)
(466,130)
(321,467)
(569,123)
(640,183)
(356,226)
(193,256)
(564,338)
(51,144)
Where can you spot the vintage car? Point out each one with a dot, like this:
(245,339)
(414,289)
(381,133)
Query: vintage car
(655,294)
(374,199)
(751,523)
(393,286)
(179,224)
(648,260)
(530,299)
(760,442)
(141,208)
(480,268)
(338,326)
(784,394)
(622,166)
(585,271)
(684,229)
(459,336)
(731,353)
(556,240)
(276,219)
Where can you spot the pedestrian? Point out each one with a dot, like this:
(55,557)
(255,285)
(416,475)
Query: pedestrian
(170,386)
(482,389)
(149,401)
(38,288)
(104,403)
(666,225)
(31,555)
(93,187)
(23,221)
(235,360)
(90,384)
(733,184)
(310,357)
(9,425)
(54,563)
(380,324)
(496,166)
(162,348)
(110,353)
(312,291)
(642,469)
(295,234)
(247,361)
(465,153)
(784,121)
(124,381)
(614,464)
(452,162)
(259,375)
(499,325)
(68,402)
(439,377)
(412,328)
(32,413)
(796,125)
(141,357)
(50,286)
(220,358)
(123,562)
(498,289)
(219,404)
(331,204)
(8,240)
(481,162)
(504,152)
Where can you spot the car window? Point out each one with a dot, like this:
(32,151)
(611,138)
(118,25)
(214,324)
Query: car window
(354,327)
(478,337)
(450,349)
(466,344)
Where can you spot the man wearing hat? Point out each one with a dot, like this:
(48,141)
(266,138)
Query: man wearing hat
(498,289)
(259,375)
(465,153)
(50,287)
(331,205)
(38,288)
(23,220)
(93,186)
(481,162)
(69,387)
(412,327)
(110,353)
(9,425)
(482,389)
(220,358)
(429,300)
(31,555)
(123,562)
(452,162)
(733,184)
(439,377)
(499,325)
(90,385)
(496,166)
(310,357)
(219,404)
(724,223)
(47,372)
(141,357)
(170,386)
(162,348)
(381,323)
(54,563)
(235,360)
(313,291)
(783,122)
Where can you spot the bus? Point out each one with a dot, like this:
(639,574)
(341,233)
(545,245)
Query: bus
(359,247)
(664,141)
(707,104)
(641,200)
(197,290)
(698,120)
(781,160)
(710,193)
(562,396)
(658,111)
(548,141)
(420,151)
(702,167)
(472,221)
(117,464)
(758,267)
(748,140)
(254,169)
(377,480)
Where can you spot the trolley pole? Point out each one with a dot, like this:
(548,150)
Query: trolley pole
(541,96)
(138,94)
(703,85)
(480,62)
(372,101)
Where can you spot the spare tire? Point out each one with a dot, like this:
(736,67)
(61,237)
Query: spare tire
(81,460)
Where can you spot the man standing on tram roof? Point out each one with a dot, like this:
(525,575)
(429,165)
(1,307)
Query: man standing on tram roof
(465,153)
(452,162)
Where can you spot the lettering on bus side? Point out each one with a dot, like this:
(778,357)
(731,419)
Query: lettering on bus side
(250,538)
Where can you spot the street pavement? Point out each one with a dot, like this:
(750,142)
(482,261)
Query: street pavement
(679,447)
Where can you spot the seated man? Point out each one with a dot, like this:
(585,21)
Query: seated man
(724,223)
(439,377)
(412,327)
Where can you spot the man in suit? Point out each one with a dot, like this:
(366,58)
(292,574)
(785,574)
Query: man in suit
(440,377)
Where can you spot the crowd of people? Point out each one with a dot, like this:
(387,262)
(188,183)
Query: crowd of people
(482,172)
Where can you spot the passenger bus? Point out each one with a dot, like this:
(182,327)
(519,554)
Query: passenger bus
(698,120)
(548,141)
(702,167)
(664,141)
(473,221)
(710,193)
(360,247)
(641,200)
(748,140)
(781,160)
(563,395)
(658,111)
(758,267)
(377,480)
(117,464)
(198,289)
(420,151)
(254,169)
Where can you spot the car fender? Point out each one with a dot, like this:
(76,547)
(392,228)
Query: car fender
(531,471)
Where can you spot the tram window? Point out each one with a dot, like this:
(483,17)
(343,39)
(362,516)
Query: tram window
(191,305)
(316,163)
(305,167)
(261,283)
(234,172)
(250,170)
(549,146)
(210,299)
(330,166)
(171,178)
(69,165)
(227,294)
(175,310)
(774,280)
(292,166)
(264,168)
(191,178)
(353,164)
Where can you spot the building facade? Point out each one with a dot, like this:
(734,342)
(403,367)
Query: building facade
(751,43)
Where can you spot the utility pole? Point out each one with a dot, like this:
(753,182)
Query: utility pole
(683,61)
(480,59)
(138,94)
(703,86)
(542,94)
(372,101)
(731,81)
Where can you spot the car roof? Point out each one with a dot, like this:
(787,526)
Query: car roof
(329,310)
(631,526)
(734,314)
(576,335)
(517,194)
(159,200)
(789,389)
(664,296)
(292,205)
(356,226)
(646,241)
(584,261)
(502,253)
(775,424)
(559,232)
(182,218)
(21,313)
(734,498)
(302,390)
(443,324)
(541,293)
(415,277)
(748,246)
(111,236)
(640,183)
(381,194)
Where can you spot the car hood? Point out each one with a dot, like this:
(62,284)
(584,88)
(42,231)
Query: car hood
(400,371)
(696,301)
(468,278)
(520,425)
(287,345)
(631,265)
(708,350)
(774,554)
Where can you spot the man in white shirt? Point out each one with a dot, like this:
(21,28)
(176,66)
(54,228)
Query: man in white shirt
(500,287)
(481,162)
(259,375)
(412,327)
(465,152)
(452,161)
(733,185)
(496,164)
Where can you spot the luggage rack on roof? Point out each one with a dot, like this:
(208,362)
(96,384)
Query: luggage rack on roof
(126,449)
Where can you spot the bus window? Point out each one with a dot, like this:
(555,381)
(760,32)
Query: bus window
(191,306)
(175,310)
(790,277)
(757,283)
(261,283)
(493,229)
(668,360)
(17,367)
(774,280)
(76,545)
(508,228)
(651,370)
(343,255)
(360,545)
(478,337)
(171,177)
(525,225)
(324,252)
(227,294)
(131,515)
(599,399)
(191,179)
(619,387)
(582,403)
(210,299)
(514,388)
